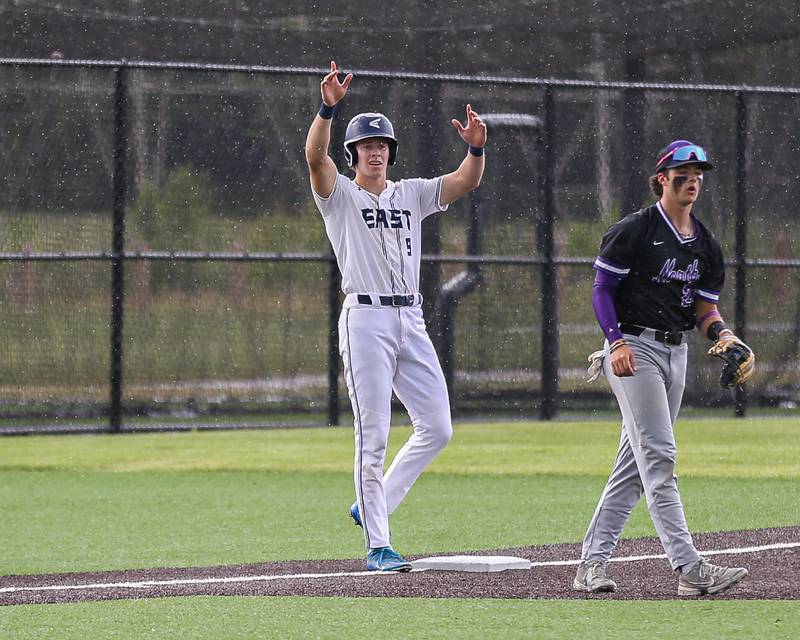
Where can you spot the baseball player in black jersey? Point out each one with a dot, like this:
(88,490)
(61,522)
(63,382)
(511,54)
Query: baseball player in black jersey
(658,275)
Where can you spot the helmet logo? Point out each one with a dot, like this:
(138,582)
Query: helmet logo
(376,123)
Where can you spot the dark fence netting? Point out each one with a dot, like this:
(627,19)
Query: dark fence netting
(55,335)
(162,263)
(225,338)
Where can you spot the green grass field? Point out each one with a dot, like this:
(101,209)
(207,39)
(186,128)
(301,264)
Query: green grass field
(78,503)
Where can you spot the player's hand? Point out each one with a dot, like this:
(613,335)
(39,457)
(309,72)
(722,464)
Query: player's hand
(623,362)
(474,134)
(332,90)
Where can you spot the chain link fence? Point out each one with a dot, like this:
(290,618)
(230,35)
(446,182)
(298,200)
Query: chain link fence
(162,264)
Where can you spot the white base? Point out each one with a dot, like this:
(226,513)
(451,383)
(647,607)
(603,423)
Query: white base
(481,564)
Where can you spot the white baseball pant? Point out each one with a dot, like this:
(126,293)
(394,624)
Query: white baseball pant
(384,349)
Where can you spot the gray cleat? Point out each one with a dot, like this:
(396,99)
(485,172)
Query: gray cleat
(708,579)
(591,577)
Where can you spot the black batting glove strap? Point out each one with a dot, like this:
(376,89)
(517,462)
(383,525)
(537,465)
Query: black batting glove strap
(714,329)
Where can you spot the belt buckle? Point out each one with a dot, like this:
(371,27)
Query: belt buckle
(673,338)
(400,301)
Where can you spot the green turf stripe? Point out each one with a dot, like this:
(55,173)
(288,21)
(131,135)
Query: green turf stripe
(82,521)
(211,618)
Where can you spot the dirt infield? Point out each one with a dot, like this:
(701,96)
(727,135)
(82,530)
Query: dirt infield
(773,573)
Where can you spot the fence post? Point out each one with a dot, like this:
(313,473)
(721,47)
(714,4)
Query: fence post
(334,309)
(118,246)
(549,320)
(740,397)
(632,135)
(426,107)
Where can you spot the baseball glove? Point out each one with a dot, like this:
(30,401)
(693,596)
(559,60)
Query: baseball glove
(738,358)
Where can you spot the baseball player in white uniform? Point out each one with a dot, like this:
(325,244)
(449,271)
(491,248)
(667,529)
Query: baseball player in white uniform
(374,226)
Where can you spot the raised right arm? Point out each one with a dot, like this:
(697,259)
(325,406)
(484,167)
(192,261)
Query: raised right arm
(320,165)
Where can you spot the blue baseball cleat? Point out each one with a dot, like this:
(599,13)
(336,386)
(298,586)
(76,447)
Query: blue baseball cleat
(355,515)
(386,559)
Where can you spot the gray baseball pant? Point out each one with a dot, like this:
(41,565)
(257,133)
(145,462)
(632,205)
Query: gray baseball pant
(649,401)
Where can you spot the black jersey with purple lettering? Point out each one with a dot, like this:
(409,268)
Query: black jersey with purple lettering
(662,272)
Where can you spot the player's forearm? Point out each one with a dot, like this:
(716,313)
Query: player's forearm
(318,141)
(603,291)
(464,179)
(710,322)
(471,171)
(707,314)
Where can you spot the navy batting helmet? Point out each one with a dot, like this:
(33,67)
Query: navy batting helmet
(681,152)
(368,125)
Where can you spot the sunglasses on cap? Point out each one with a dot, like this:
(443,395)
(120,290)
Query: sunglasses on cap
(684,154)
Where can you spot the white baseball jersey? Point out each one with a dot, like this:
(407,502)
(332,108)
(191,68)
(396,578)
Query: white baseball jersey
(377,242)
(377,239)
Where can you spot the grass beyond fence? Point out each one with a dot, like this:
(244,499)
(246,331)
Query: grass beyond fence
(238,324)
